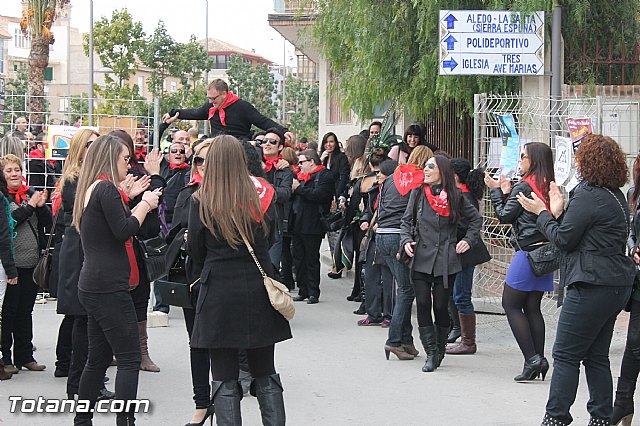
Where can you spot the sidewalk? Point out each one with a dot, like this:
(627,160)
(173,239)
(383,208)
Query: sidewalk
(333,372)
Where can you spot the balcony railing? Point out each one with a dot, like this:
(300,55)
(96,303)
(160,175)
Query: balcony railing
(295,6)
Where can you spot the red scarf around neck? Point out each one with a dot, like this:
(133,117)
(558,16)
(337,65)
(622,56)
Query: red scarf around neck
(178,166)
(229,99)
(531,180)
(134,274)
(37,154)
(464,187)
(408,177)
(270,163)
(20,194)
(196,179)
(306,176)
(439,203)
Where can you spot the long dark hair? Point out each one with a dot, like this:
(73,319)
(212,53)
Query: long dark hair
(447,177)
(474,179)
(540,166)
(413,129)
(324,141)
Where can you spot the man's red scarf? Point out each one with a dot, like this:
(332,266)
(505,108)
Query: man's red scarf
(36,154)
(439,203)
(178,166)
(196,179)
(228,100)
(270,163)
(20,194)
(306,176)
(464,188)
(531,180)
(408,177)
(134,274)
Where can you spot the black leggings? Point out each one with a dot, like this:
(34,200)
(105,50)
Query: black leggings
(525,319)
(225,363)
(430,291)
(630,367)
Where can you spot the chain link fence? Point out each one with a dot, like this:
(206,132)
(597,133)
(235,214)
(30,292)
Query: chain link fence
(538,119)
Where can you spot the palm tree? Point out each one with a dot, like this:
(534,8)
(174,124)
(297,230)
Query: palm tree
(37,18)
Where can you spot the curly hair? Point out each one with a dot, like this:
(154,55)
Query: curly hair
(601,162)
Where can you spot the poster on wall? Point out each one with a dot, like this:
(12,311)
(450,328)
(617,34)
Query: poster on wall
(562,165)
(59,139)
(510,153)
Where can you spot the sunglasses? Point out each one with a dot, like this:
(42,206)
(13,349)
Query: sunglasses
(270,141)
(178,151)
(303,161)
(198,161)
(431,166)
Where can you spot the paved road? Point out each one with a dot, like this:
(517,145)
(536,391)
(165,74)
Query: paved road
(334,373)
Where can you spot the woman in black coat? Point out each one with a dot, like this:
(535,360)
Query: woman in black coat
(8,271)
(233,311)
(336,162)
(592,235)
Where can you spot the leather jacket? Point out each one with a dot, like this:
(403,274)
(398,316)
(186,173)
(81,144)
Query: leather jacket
(509,210)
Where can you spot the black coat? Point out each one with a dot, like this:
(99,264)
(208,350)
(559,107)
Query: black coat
(239,116)
(435,236)
(175,180)
(340,171)
(311,199)
(71,257)
(281,181)
(524,232)
(233,309)
(477,254)
(592,234)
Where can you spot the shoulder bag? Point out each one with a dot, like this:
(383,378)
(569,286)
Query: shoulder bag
(155,250)
(42,269)
(279,295)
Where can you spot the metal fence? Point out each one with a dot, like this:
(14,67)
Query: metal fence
(617,117)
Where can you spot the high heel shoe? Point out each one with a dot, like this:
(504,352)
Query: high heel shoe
(208,415)
(334,275)
(544,367)
(623,405)
(398,351)
(531,370)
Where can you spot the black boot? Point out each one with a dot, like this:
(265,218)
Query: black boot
(226,402)
(441,338)
(428,339)
(623,407)
(125,419)
(531,370)
(551,421)
(455,332)
(269,393)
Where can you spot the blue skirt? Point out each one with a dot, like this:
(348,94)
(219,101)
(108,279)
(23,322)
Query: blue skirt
(521,277)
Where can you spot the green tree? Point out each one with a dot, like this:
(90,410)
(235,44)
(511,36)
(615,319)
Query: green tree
(303,99)
(381,53)
(15,94)
(160,54)
(118,42)
(192,62)
(256,84)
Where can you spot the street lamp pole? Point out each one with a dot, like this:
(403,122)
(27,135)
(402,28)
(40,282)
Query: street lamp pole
(284,80)
(91,63)
(206,73)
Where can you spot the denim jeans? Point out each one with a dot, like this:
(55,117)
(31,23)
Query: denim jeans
(585,328)
(400,330)
(378,287)
(275,252)
(462,290)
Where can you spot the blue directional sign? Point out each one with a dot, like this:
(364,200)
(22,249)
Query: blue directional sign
(491,42)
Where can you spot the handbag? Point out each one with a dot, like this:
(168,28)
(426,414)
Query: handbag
(154,250)
(175,293)
(279,295)
(42,270)
(332,221)
(545,259)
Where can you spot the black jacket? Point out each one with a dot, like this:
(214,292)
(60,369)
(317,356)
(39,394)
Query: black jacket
(311,199)
(392,205)
(239,116)
(175,179)
(340,170)
(509,210)
(592,233)
(281,180)
(477,254)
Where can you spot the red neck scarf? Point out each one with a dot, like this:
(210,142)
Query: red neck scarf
(306,176)
(531,180)
(36,153)
(408,177)
(56,199)
(229,99)
(377,203)
(269,163)
(20,194)
(464,188)
(134,272)
(439,203)
(178,166)
(196,179)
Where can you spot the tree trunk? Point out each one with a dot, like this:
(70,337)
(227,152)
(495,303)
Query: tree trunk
(38,61)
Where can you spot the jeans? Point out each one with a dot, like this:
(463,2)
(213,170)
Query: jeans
(400,329)
(275,252)
(462,290)
(585,328)
(378,287)
(112,329)
(17,322)
(200,365)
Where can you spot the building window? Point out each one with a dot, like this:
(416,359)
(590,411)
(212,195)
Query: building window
(174,86)
(220,61)
(140,84)
(334,103)
(21,41)
(48,74)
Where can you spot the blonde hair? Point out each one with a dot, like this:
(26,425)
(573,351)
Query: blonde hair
(289,154)
(202,145)
(228,198)
(101,160)
(11,145)
(77,149)
(420,155)
(10,158)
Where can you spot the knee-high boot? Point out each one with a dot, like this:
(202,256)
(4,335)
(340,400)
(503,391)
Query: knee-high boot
(623,407)
(468,343)
(146,364)
(455,332)
(226,402)
(269,394)
(441,338)
(3,374)
(428,339)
